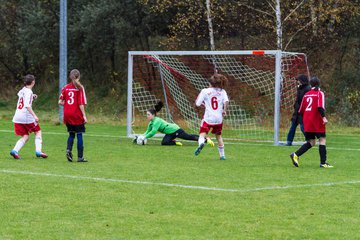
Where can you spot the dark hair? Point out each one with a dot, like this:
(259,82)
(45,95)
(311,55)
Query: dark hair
(303,79)
(218,80)
(315,82)
(28,79)
(156,108)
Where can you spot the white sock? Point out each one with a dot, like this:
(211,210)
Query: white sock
(221,151)
(38,144)
(201,140)
(19,144)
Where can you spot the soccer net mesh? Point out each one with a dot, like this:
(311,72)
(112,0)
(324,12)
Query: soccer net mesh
(176,78)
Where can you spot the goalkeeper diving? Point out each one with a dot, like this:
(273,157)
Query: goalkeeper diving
(171,130)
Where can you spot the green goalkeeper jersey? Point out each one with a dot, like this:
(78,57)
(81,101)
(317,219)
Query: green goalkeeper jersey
(160,125)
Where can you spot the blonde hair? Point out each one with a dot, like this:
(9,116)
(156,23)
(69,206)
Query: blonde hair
(75,75)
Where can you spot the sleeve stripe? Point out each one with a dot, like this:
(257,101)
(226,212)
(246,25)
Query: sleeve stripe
(322,100)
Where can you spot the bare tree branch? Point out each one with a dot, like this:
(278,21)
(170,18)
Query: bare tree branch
(272,5)
(292,37)
(293,10)
(255,9)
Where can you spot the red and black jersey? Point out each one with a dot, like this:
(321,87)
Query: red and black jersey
(73,98)
(309,108)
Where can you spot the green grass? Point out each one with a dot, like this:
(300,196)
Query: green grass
(128,191)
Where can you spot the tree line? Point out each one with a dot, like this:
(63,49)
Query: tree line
(101,32)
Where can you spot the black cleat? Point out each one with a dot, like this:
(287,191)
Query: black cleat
(69,156)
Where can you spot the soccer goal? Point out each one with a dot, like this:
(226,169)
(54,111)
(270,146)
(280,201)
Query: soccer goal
(261,88)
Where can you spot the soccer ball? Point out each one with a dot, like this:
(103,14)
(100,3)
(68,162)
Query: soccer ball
(141,140)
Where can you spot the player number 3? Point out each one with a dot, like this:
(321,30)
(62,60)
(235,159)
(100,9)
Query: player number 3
(71,98)
(21,103)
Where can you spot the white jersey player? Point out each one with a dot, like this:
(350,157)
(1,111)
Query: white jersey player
(23,112)
(25,120)
(215,100)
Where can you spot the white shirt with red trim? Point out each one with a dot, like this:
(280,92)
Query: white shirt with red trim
(214,100)
(22,115)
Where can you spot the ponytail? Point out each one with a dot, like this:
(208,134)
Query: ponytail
(156,108)
(75,78)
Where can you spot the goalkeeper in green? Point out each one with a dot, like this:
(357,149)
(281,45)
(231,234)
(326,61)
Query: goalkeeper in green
(171,130)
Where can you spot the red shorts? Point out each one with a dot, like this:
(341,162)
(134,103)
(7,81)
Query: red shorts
(22,129)
(216,128)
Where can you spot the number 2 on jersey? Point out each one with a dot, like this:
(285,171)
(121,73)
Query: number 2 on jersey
(309,100)
(214,103)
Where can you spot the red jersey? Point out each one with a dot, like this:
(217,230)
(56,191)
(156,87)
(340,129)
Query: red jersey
(312,118)
(73,98)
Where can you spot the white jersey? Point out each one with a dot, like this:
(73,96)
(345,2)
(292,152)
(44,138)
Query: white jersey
(22,115)
(214,100)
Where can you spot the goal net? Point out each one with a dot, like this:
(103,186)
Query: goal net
(261,88)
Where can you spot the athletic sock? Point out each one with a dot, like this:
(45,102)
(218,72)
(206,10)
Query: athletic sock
(38,144)
(70,141)
(221,151)
(322,152)
(19,144)
(306,146)
(80,145)
(201,140)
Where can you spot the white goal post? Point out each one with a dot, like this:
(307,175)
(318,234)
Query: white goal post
(262,90)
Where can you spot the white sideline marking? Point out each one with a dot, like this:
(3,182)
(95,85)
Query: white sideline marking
(181,185)
(230,143)
(66,133)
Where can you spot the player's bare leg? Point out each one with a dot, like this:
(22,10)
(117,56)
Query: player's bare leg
(19,144)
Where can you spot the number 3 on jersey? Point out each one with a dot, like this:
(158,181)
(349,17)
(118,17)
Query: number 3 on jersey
(214,103)
(71,98)
(309,100)
(21,103)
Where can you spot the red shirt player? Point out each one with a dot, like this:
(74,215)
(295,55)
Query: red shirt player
(313,110)
(73,99)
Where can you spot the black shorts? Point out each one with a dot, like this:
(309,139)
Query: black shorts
(76,128)
(312,135)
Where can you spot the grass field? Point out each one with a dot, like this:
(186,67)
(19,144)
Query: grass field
(127,191)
